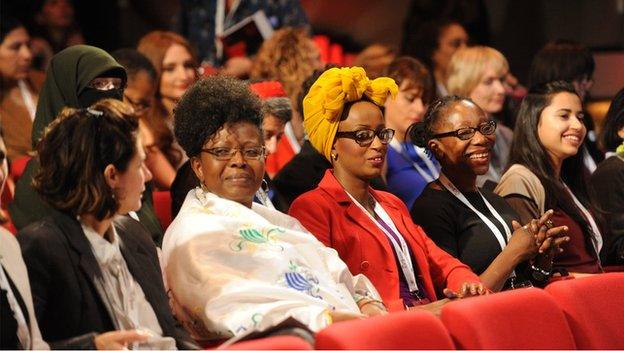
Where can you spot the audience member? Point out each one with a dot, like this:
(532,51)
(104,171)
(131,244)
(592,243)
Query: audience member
(305,171)
(54,29)
(607,182)
(266,195)
(546,172)
(139,94)
(233,265)
(374,59)
(409,167)
(77,77)
(176,65)
(289,57)
(19,88)
(371,230)
(19,328)
(434,43)
(476,226)
(574,63)
(203,22)
(480,73)
(95,275)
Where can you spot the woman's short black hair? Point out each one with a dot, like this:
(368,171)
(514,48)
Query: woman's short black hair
(561,59)
(614,121)
(134,62)
(422,42)
(7,25)
(209,105)
(74,151)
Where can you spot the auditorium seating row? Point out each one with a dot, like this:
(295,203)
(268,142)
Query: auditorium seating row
(581,313)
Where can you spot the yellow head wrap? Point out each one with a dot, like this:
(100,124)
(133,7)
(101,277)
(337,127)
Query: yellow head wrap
(323,105)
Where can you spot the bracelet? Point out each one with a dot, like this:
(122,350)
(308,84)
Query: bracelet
(378,302)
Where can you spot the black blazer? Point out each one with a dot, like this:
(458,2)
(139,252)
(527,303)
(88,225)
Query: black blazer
(62,271)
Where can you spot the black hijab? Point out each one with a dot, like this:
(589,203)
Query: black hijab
(68,75)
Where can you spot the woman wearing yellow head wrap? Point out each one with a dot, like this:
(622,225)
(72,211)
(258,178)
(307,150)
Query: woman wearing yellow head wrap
(371,230)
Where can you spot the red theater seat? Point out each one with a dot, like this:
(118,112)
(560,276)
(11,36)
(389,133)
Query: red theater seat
(162,207)
(518,319)
(398,331)
(594,307)
(272,343)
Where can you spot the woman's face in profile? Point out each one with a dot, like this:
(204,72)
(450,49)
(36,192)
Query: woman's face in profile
(472,154)
(178,72)
(451,39)
(131,185)
(231,163)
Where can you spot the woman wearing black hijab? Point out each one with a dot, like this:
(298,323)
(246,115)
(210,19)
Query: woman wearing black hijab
(76,77)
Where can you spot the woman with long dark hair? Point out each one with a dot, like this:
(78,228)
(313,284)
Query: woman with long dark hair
(547,172)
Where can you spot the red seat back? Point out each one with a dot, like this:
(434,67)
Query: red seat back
(401,330)
(517,319)
(162,207)
(272,343)
(18,166)
(594,307)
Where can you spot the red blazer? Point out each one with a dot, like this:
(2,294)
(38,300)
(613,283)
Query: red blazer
(335,220)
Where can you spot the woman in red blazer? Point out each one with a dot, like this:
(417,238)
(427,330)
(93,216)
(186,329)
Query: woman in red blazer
(371,230)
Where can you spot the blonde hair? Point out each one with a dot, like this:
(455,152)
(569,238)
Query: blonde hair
(468,65)
(289,56)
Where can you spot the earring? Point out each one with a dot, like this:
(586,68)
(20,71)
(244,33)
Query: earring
(334,157)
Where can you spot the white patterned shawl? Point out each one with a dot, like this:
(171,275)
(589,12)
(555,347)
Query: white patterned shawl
(231,269)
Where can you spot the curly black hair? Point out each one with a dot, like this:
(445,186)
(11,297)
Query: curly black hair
(209,105)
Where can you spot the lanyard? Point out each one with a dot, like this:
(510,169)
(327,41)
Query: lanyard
(28,100)
(502,240)
(403,151)
(596,236)
(401,249)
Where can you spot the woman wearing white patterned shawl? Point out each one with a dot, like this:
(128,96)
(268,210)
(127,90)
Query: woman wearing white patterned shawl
(233,265)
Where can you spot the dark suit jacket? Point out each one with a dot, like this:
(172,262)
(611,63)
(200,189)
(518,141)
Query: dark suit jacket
(69,306)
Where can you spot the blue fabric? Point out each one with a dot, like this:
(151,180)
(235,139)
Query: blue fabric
(403,179)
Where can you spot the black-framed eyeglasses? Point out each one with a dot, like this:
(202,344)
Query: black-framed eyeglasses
(485,128)
(226,153)
(365,137)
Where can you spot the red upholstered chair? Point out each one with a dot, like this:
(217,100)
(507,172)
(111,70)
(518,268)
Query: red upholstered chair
(162,207)
(272,343)
(594,307)
(18,166)
(518,319)
(398,331)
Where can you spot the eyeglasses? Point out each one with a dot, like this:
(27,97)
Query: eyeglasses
(365,137)
(486,128)
(226,153)
(138,106)
(106,83)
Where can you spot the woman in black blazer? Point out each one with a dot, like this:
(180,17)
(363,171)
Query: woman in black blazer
(94,272)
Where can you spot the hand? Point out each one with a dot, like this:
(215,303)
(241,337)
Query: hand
(372,308)
(467,289)
(119,339)
(433,307)
(548,236)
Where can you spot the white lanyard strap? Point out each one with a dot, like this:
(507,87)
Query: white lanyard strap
(401,249)
(502,240)
(264,198)
(596,236)
(396,145)
(28,100)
